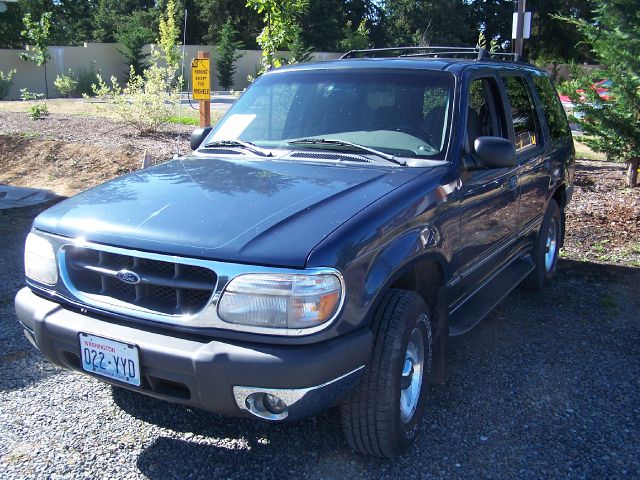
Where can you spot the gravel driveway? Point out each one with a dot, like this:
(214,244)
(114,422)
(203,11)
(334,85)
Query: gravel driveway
(547,386)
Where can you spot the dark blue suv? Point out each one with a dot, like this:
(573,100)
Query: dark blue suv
(319,245)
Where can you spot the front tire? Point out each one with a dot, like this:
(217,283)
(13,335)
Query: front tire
(383,415)
(546,249)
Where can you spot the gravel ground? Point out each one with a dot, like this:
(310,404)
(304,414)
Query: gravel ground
(547,386)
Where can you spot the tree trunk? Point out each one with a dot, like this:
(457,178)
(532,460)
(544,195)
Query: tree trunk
(46,83)
(632,172)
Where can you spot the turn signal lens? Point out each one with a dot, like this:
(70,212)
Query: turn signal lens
(281,300)
(40,260)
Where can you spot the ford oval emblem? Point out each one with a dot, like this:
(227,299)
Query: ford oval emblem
(127,276)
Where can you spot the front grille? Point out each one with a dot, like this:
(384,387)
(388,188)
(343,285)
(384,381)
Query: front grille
(164,287)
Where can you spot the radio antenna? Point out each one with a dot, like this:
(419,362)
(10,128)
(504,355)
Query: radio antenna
(184,42)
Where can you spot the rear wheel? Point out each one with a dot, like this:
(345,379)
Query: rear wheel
(546,248)
(383,415)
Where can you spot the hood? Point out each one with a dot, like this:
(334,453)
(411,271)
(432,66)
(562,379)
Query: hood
(267,212)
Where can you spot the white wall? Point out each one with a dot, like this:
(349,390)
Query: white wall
(108,61)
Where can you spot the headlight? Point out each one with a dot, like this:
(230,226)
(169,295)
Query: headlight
(281,300)
(40,260)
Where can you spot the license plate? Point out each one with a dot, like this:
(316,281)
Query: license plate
(109,358)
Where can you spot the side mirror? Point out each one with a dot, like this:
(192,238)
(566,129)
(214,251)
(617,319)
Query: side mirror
(198,136)
(494,152)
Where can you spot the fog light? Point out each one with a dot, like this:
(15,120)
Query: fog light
(273,404)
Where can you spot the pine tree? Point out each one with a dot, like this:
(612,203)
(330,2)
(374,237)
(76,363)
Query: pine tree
(227,49)
(612,125)
(133,35)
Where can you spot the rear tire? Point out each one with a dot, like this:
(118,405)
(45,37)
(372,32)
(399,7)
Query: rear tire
(546,249)
(383,415)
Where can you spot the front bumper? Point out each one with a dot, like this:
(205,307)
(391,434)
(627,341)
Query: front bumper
(205,373)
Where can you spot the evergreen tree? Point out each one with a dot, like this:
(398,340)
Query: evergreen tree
(133,35)
(612,125)
(227,48)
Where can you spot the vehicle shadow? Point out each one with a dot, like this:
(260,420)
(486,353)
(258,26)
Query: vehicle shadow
(530,382)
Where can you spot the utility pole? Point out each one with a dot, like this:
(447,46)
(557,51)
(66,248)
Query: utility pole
(519,43)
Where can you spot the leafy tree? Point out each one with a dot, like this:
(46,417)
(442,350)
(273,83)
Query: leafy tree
(36,34)
(613,126)
(109,14)
(299,50)
(133,36)
(169,28)
(10,26)
(281,17)
(437,22)
(552,38)
(73,21)
(227,48)
(209,17)
(355,40)
(493,18)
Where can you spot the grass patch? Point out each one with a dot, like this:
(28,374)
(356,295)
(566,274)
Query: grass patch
(182,120)
(582,151)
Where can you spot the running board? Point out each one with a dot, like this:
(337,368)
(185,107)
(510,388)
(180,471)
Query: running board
(470,313)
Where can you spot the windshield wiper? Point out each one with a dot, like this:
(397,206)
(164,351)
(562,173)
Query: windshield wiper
(344,143)
(239,143)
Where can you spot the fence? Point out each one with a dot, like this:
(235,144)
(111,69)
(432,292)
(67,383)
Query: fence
(109,61)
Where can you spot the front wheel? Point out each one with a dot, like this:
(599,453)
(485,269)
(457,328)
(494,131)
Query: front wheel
(546,248)
(383,415)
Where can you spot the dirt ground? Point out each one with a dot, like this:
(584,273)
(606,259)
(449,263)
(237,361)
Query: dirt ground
(70,153)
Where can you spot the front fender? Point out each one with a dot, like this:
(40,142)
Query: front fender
(417,224)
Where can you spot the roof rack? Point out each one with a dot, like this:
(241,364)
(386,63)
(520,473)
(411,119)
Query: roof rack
(477,53)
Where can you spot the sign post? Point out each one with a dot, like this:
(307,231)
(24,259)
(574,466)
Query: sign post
(521,29)
(201,86)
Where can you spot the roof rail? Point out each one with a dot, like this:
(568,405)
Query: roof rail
(477,53)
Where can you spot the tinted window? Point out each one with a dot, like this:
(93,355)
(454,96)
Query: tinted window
(401,112)
(554,113)
(523,115)
(482,117)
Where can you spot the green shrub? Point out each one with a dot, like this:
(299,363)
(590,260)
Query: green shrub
(147,102)
(6,80)
(65,84)
(38,111)
(86,79)
(26,95)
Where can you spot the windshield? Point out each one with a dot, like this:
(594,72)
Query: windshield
(400,112)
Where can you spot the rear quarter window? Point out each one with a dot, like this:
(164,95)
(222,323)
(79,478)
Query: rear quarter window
(553,111)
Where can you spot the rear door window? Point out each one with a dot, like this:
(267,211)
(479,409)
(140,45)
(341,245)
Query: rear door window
(523,114)
(553,111)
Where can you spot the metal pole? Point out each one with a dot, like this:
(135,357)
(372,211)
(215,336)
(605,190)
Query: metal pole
(522,4)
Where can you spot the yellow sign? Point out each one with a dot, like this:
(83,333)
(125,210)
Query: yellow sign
(201,78)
